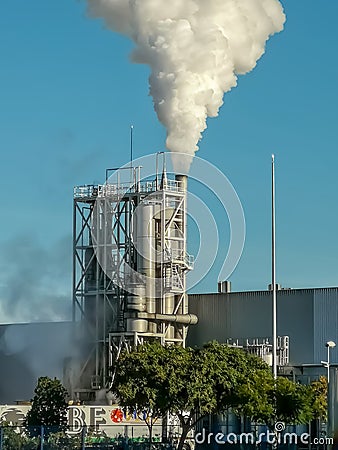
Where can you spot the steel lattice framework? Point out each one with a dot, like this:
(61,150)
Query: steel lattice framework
(129,270)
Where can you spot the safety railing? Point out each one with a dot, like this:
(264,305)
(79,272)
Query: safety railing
(13,437)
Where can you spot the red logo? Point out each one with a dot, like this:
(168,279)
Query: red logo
(116,415)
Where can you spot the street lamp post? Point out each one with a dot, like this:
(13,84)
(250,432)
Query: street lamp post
(328,345)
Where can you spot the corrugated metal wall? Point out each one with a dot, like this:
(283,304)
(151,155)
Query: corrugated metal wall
(249,315)
(325,323)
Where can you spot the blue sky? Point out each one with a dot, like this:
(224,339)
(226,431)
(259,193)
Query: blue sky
(68,94)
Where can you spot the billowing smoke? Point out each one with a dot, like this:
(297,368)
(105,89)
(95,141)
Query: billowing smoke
(35,281)
(196,49)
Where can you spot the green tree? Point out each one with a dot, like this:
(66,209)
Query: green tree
(293,402)
(254,394)
(49,407)
(60,441)
(140,382)
(319,398)
(282,400)
(14,440)
(193,383)
(190,383)
(207,380)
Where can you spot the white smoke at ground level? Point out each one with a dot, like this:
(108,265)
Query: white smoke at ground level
(195,49)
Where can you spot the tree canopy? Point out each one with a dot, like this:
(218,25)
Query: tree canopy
(49,407)
(194,382)
(319,398)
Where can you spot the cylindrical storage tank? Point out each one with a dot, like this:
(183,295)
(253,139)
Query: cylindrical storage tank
(135,303)
(145,243)
(137,300)
(137,325)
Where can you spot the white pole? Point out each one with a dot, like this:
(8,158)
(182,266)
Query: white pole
(274,293)
(328,366)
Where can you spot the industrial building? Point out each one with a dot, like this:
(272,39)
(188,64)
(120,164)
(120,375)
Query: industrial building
(130,264)
(309,318)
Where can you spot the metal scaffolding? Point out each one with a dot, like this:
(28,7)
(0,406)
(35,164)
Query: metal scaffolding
(129,269)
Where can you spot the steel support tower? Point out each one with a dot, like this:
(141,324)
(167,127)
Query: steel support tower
(129,270)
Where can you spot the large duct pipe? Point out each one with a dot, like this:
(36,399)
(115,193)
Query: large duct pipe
(185,319)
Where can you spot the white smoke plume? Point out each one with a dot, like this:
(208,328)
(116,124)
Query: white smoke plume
(195,49)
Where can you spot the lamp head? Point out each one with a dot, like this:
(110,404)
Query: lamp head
(330,344)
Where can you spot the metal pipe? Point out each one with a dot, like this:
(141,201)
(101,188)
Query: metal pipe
(183,182)
(328,366)
(169,309)
(157,167)
(131,145)
(186,319)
